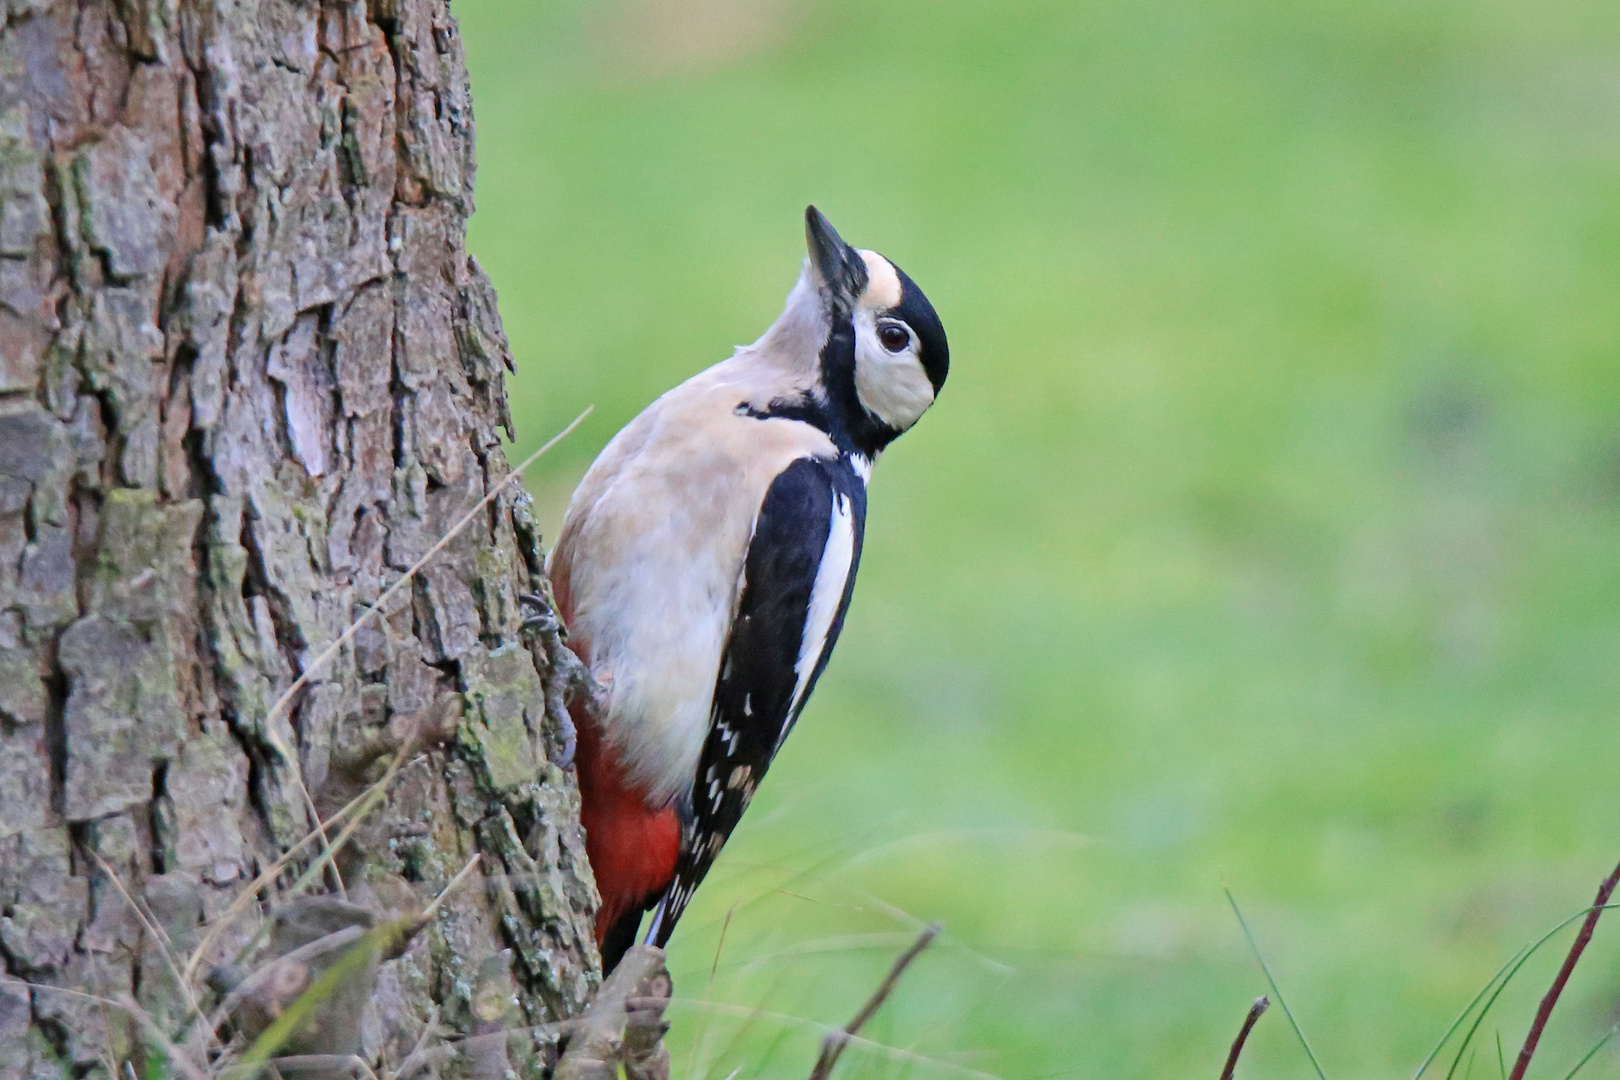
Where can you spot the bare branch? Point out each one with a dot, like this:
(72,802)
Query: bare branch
(1581,939)
(1256,1011)
(833,1043)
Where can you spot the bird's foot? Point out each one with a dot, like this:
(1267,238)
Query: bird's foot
(538,617)
(570,740)
(568,674)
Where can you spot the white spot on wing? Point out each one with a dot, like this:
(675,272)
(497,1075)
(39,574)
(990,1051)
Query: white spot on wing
(825,596)
(657,922)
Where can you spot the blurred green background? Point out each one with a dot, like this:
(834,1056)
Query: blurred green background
(1267,533)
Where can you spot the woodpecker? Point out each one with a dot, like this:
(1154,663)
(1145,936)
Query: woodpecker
(706,562)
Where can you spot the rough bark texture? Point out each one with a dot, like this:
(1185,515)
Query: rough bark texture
(248,375)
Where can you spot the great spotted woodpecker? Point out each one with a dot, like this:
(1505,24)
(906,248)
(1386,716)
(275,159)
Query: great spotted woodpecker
(706,562)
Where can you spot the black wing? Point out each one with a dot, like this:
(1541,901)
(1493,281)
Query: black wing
(797,581)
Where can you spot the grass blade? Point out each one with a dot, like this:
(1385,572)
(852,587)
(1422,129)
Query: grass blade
(1590,1054)
(1512,971)
(1467,1010)
(1276,991)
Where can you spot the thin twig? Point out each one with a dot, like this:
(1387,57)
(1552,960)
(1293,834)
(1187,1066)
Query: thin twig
(1581,939)
(832,1045)
(1256,1011)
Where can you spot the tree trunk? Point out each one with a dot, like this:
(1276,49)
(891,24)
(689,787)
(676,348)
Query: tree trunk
(248,376)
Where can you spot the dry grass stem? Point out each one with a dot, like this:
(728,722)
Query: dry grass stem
(165,945)
(893,1053)
(411,1061)
(360,805)
(174,1055)
(283,702)
(832,1045)
(438,901)
(1256,1011)
(415,568)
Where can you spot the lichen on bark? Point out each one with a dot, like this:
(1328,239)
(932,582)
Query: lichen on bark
(248,376)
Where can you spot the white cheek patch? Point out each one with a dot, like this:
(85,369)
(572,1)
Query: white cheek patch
(892,386)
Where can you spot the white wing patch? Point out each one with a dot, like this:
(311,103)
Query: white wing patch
(825,597)
(657,921)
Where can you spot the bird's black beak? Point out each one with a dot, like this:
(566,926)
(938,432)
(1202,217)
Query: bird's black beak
(838,265)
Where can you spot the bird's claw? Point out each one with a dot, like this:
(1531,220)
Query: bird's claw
(538,618)
(570,740)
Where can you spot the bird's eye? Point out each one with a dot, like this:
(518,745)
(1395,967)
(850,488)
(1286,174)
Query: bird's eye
(894,338)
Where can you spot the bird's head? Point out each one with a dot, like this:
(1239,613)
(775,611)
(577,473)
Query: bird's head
(880,354)
(883,333)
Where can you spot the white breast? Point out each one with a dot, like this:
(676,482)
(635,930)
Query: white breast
(653,550)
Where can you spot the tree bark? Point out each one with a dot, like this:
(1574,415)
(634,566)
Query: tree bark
(249,375)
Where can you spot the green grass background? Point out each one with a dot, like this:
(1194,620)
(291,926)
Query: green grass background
(1267,532)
